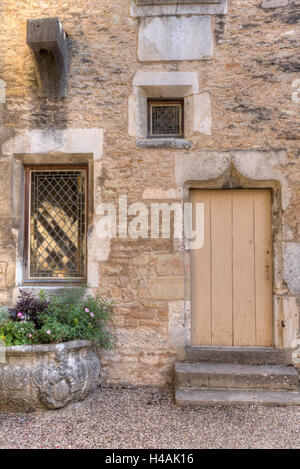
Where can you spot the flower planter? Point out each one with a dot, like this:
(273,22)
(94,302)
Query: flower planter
(47,376)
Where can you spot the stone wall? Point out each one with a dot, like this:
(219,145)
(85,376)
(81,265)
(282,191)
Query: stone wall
(247,74)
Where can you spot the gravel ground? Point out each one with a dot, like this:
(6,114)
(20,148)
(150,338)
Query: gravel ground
(146,417)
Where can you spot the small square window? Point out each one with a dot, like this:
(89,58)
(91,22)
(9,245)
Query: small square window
(55,224)
(165,118)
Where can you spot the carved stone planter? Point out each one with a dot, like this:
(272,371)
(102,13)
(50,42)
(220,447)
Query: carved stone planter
(47,376)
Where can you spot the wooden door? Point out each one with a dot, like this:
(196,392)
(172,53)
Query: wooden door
(231,275)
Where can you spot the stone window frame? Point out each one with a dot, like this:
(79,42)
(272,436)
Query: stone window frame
(168,85)
(57,147)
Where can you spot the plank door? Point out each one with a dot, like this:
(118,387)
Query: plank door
(231,275)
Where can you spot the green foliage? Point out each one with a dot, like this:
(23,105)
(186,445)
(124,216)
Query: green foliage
(70,315)
(17,333)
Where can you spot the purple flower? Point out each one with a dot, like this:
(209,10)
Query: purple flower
(48,332)
(29,335)
(87,310)
(92,315)
(20,315)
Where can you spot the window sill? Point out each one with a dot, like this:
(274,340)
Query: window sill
(36,287)
(177,143)
(49,289)
(168,2)
(53,282)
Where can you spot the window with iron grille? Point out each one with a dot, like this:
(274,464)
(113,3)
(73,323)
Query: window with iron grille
(56,218)
(165,118)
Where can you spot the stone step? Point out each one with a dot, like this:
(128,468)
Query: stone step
(238,355)
(236,397)
(231,376)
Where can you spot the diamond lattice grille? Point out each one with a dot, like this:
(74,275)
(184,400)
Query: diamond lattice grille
(166,119)
(58,224)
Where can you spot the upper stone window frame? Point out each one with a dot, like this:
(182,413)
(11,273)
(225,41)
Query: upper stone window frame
(180,7)
(168,85)
(177,31)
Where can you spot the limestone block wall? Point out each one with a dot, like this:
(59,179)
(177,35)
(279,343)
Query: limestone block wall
(246,113)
